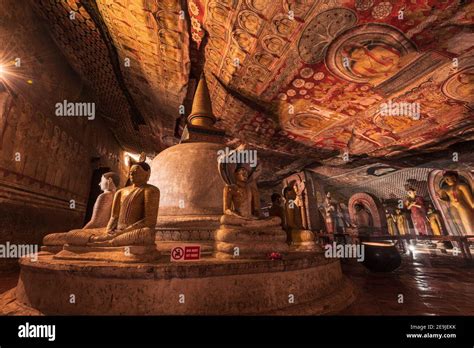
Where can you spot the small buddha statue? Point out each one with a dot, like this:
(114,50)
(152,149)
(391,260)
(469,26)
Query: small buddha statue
(243,233)
(401,221)
(460,199)
(133,217)
(435,221)
(100,214)
(391,225)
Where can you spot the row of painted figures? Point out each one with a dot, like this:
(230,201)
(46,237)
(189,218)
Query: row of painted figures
(415,216)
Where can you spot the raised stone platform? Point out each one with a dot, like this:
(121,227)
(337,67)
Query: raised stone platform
(205,287)
(132,253)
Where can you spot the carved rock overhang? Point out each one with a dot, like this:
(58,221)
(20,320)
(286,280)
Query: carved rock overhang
(302,82)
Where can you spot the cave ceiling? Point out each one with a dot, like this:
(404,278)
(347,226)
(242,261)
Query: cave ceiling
(296,79)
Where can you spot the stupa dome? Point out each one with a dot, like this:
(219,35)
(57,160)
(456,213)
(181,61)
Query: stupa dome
(190,185)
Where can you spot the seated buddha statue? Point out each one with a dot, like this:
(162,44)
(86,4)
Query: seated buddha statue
(242,203)
(100,214)
(243,233)
(133,217)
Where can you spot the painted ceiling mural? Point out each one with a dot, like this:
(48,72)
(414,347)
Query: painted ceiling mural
(329,65)
(290,77)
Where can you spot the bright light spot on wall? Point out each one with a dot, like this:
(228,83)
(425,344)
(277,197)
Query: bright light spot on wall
(135,156)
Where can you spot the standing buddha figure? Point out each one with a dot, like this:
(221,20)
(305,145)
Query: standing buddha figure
(401,221)
(460,200)
(435,221)
(391,225)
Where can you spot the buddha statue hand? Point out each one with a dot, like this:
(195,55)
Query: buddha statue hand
(104,237)
(233,213)
(139,236)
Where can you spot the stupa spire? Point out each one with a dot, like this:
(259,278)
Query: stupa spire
(201,112)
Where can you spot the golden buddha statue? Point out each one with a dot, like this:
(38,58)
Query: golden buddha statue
(391,225)
(435,221)
(401,221)
(243,233)
(292,209)
(100,214)
(460,200)
(242,203)
(133,218)
(300,238)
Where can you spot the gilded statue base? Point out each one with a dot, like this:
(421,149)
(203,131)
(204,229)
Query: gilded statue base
(232,242)
(304,241)
(127,254)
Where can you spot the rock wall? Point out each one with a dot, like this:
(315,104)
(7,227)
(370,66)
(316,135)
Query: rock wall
(46,161)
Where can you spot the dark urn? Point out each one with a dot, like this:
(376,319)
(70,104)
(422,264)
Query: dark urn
(381,257)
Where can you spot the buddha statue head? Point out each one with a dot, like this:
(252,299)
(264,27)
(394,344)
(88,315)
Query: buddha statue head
(139,173)
(451,178)
(241,175)
(411,193)
(109,182)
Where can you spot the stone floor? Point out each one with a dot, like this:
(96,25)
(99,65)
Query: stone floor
(430,285)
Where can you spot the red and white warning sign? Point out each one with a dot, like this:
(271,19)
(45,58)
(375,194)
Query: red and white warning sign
(186,253)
